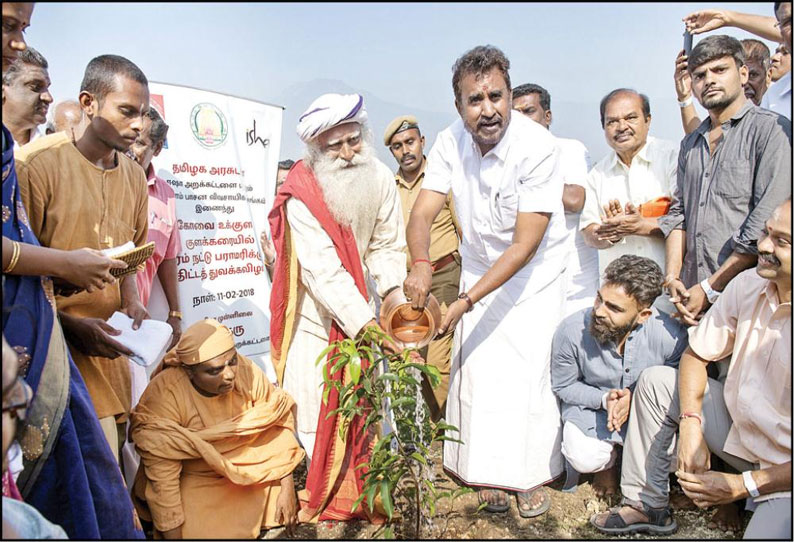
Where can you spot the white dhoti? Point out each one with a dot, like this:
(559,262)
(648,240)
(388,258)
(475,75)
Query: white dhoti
(500,388)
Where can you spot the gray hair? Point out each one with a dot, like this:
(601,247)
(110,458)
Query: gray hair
(314,152)
(28,57)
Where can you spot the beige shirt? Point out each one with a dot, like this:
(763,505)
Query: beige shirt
(749,323)
(72,203)
(652,174)
(444,230)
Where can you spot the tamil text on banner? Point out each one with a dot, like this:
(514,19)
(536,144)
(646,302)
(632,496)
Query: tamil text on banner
(220,158)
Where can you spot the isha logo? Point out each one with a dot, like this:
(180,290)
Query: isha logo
(208,125)
(251,138)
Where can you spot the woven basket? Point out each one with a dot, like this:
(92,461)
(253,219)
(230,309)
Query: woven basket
(135,259)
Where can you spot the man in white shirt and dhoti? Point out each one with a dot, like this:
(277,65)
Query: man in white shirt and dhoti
(504,179)
(336,222)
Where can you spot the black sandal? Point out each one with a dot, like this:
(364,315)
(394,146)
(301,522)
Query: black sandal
(657,522)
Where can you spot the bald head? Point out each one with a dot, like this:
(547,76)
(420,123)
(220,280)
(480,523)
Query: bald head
(68,117)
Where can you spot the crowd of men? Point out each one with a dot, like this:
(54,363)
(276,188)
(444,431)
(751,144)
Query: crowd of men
(654,285)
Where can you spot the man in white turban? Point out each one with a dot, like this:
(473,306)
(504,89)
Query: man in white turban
(336,222)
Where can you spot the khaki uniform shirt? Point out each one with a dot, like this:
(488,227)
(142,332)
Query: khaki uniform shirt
(72,203)
(444,232)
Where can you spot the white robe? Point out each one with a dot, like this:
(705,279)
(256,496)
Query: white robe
(327,293)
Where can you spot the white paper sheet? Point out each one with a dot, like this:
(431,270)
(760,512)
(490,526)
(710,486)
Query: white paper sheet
(148,342)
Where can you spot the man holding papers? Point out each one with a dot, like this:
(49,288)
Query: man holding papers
(87,193)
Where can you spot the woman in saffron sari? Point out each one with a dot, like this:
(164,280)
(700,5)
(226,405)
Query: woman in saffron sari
(70,474)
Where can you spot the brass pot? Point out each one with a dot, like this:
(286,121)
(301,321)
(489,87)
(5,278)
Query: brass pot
(406,326)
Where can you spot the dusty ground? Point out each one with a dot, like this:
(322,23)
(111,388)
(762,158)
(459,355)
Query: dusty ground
(568,518)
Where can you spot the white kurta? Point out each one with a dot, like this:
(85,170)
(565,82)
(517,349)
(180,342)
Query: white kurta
(652,174)
(326,292)
(500,385)
(582,269)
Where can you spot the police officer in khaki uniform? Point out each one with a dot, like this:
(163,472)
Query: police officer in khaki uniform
(407,144)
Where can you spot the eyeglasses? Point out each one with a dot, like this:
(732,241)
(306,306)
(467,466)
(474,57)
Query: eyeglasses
(18,400)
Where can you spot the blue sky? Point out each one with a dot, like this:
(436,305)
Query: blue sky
(401,53)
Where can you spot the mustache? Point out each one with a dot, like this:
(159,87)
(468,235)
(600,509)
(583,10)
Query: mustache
(408,157)
(497,118)
(771,259)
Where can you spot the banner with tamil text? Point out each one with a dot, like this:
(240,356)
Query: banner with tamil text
(220,158)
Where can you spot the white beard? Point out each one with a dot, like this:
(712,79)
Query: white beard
(349,189)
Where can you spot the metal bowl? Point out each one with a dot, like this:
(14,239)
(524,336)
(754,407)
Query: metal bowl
(408,327)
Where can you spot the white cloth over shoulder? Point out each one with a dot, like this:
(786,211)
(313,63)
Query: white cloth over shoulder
(329,110)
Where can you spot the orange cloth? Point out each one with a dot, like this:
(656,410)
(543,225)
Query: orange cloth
(72,203)
(213,464)
(202,341)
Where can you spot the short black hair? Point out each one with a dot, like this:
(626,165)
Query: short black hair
(532,88)
(478,61)
(30,57)
(714,47)
(100,75)
(640,277)
(286,164)
(646,104)
(159,128)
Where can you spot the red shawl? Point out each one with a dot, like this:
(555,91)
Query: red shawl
(332,484)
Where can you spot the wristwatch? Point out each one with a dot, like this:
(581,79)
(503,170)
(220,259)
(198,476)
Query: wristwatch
(175,314)
(711,293)
(749,483)
(465,297)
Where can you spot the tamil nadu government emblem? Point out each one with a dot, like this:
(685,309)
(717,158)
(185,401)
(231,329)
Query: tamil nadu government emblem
(209,125)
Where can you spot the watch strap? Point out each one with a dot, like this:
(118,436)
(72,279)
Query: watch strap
(711,293)
(749,483)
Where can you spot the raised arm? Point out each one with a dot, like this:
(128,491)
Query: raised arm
(707,20)
(683,90)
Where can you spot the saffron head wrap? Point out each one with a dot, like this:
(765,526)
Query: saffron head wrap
(201,342)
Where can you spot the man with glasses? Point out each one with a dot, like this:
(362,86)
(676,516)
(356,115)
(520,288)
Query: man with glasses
(20,520)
